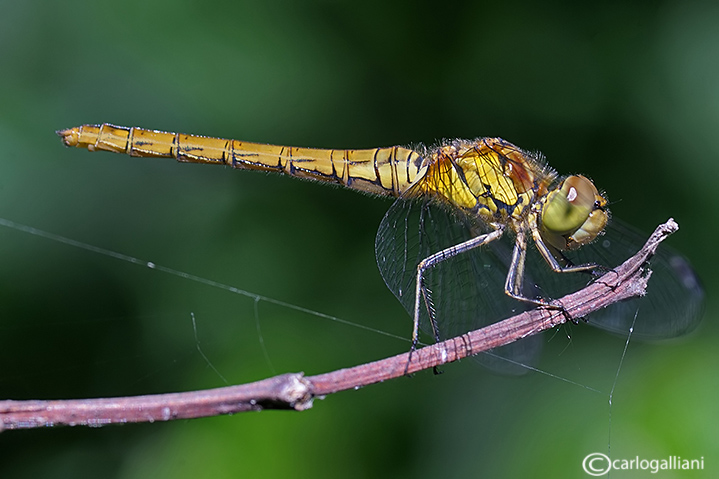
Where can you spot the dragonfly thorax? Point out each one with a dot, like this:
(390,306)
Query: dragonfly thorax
(488,177)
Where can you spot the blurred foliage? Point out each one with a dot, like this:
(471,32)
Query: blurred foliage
(625,92)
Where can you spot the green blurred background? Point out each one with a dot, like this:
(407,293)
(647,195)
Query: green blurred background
(627,93)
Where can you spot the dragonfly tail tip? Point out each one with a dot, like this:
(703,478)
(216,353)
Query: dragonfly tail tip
(69,136)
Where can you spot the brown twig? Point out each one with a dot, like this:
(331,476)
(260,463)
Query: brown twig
(295,391)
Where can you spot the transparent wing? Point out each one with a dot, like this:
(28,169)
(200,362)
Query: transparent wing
(466,291)
(674,302)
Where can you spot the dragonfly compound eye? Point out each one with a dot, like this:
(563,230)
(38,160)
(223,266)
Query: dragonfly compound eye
(574,213)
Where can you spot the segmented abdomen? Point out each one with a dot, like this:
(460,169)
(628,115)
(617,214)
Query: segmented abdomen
(381,171)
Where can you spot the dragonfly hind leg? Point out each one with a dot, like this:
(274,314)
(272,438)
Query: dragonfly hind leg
(421,290)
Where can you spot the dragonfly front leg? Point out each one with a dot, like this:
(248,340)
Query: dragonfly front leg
(421,290)
(552,260)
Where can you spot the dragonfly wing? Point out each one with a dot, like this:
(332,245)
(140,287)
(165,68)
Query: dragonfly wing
(674,302)
(466,291)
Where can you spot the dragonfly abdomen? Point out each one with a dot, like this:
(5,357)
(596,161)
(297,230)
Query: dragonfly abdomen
(382,171)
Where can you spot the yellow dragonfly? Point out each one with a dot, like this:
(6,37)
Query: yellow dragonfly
(461,227)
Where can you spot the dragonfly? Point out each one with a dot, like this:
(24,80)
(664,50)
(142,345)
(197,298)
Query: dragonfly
(479,229)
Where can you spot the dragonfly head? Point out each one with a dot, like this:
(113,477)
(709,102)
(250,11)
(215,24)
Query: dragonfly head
(573,214)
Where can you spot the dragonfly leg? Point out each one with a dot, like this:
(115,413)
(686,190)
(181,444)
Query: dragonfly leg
(546,251)
(551,260)
(514,283)
(421,290)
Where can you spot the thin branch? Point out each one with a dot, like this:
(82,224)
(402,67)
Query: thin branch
(295,391)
